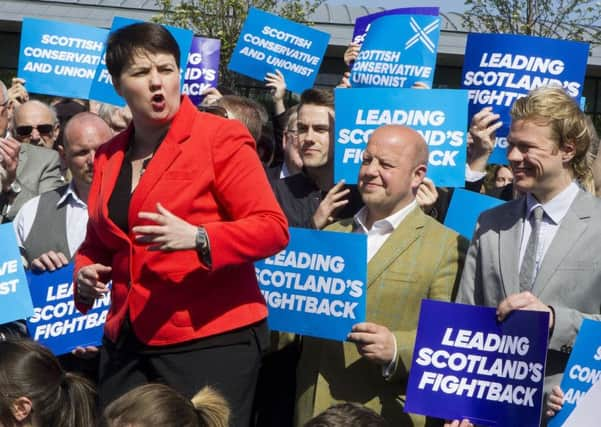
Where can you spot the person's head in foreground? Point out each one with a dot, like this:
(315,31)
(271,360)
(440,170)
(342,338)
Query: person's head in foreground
(347,414)
(35,391)
(157,405)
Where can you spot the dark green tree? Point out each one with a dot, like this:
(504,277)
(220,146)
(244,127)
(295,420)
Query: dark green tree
(560,19)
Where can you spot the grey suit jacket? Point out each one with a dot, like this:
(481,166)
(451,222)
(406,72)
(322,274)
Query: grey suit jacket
(569,278)
(38,171)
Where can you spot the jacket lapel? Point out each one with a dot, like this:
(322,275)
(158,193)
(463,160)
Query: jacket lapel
(571,228)
(168,151)
(22,159)
(110,173)
(401,238)
(509,247)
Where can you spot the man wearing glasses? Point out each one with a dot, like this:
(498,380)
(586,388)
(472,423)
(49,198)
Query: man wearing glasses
(25,169)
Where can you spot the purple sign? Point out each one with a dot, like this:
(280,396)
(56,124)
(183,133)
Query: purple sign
(202,69)
(466,364)
(363,23)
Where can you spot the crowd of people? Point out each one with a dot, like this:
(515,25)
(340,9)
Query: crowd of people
(172,203)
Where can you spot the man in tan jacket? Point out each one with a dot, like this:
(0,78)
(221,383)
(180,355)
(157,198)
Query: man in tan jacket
(410,257)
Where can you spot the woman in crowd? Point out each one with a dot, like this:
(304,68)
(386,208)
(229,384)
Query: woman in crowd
(153,405)
(36,392)
(179,209)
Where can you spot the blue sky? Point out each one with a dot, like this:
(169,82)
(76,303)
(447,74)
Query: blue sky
(444,5)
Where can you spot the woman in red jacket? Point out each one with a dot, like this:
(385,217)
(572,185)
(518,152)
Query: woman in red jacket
(179,209)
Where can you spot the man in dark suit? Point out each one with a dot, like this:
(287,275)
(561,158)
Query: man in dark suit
(538,252)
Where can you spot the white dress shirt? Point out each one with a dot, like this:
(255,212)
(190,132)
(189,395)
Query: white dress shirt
(381,229)
(376,236)
(554,211)
(77,219)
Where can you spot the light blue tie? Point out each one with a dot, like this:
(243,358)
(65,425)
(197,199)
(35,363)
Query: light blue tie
(528,269)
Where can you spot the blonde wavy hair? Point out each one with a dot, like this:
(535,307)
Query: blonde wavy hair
(553,107)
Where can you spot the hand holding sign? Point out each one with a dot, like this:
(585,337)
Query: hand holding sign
(351,53)
(456,423)
(554,401)
(17,92)
(483,128)
(49,261)
(374,342)
(523,301)
(89,283)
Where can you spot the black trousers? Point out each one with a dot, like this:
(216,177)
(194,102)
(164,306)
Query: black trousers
(228,362)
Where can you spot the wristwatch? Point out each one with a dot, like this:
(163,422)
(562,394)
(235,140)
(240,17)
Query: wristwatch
(202,245)
(14,188)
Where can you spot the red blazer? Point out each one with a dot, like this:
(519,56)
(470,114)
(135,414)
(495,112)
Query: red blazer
(207,172)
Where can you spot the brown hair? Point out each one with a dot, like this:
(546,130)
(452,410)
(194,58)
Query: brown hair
(59,398)
(158,405)
(319,97)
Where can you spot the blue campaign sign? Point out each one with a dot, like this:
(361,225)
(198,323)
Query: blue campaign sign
(439,115)
(15,301)
(102,87)
(203,68)
(398,51)
(316,286)
(466,364)
(499,68)
(582,371)
(465,208)
(268,43)
(363,23)
(60,58)
(56,323)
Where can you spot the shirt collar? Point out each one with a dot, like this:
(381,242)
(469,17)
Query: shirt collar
(390,222)
(558,206)
(70,193)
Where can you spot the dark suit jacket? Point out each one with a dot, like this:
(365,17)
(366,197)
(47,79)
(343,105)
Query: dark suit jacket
(205,171)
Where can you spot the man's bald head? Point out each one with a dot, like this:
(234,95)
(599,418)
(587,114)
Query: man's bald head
(83,134)
(394,165)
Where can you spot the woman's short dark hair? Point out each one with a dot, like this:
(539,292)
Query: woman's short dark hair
(125,43)
(58,398)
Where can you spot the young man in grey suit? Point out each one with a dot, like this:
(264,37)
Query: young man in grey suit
(523,257)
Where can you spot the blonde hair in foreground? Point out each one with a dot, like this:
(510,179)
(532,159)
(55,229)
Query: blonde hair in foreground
(157,405)
(553,107)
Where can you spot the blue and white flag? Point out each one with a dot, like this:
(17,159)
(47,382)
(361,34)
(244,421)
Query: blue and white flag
(56,323)
(500,68)
(317,285)
(15,301)
(60,58)
(268,43)
(467,364)
(439,115)
(398,52)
